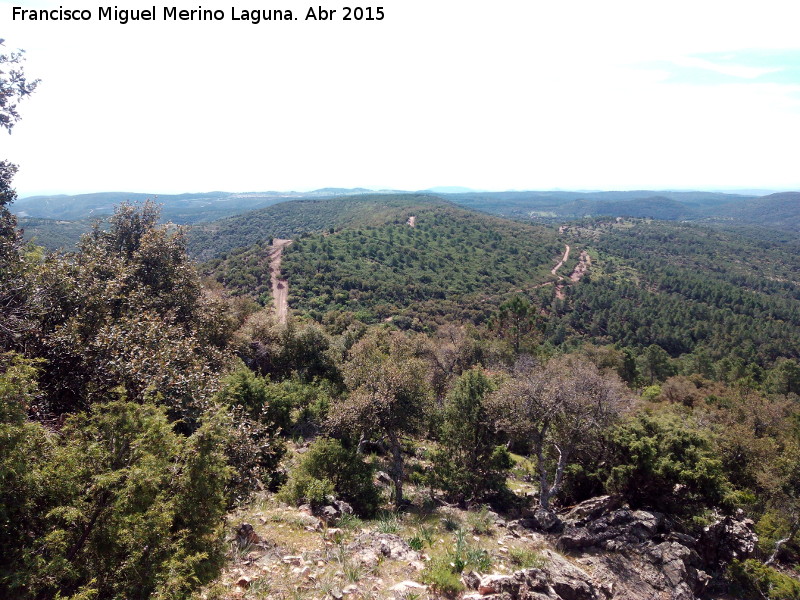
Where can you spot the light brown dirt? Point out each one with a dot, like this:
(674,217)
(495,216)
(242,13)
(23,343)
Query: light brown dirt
(412,221)
(280,287)
(560,286)
(555,269)
(584,262)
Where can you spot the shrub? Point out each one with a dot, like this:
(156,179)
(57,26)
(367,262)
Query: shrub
(480,521)
(469,465)
(525,558)
(330,468)
(119,506)
(651,392)
(254,454)
(754,580)
(443,573)
(304,488)
(663,463)
(251,393)
(388,522)
(443,580)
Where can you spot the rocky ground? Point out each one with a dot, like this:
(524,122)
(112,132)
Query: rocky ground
(596,551)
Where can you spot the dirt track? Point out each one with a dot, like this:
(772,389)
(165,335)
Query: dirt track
(584,262)
(555,269)
(280,287)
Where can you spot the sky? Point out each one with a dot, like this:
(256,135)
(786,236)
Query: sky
(507,94)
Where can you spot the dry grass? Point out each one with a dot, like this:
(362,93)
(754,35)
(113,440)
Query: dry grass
(324,569)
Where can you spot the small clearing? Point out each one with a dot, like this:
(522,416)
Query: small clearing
(584,262)
(280,287)
(412,221)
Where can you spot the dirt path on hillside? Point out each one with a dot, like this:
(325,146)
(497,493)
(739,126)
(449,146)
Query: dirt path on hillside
(584,262)
(560,286)
(280,287)
(412,221)
(555,269)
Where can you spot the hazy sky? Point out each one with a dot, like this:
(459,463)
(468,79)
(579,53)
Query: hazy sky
(502,94)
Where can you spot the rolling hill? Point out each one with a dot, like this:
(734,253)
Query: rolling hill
(690,289)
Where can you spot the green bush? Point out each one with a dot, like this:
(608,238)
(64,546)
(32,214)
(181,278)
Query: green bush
(330,468)
(470,464)
(754,580)
(443,580)
(117,505)
(443,572)
(253,394)
(254,453)
(304,488)
(663,463)
(525,558)
(480,521)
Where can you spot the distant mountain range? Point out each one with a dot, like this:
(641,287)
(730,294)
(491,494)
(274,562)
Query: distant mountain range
(178,208)
(55,220)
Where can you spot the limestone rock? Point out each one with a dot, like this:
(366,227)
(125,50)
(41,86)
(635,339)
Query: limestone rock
(612,530)
(497,584)
(334,510)
(382,478)
(538,520)
(405,586)
(367,547)
(727,539)
(471,580)
(246,536)
(590,509)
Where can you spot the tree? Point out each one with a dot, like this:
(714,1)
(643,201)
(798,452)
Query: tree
(127,310)
(556,409)
(117,505)
(14,86)
(389,394)
(329,467)
(656,365)
(514,320)
(14,290)
(664,463)
(469,464)
(784,377)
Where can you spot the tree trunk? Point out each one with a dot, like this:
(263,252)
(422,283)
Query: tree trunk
(541,466)
(780,543)
(397,469)
(562,463)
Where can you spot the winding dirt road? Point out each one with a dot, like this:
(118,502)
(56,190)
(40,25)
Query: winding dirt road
(555,269)
(280,287)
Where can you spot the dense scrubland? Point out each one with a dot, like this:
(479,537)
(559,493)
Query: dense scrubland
(142,404)
(444,405)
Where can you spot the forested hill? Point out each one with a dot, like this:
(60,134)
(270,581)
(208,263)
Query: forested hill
(291,219)
(691,290)
(701,293)
(177,208)
(777,211)
(452,264)
(57,221)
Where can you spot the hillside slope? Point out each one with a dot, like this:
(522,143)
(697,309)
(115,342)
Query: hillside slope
(296,217)
(776,211)
(446,263)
